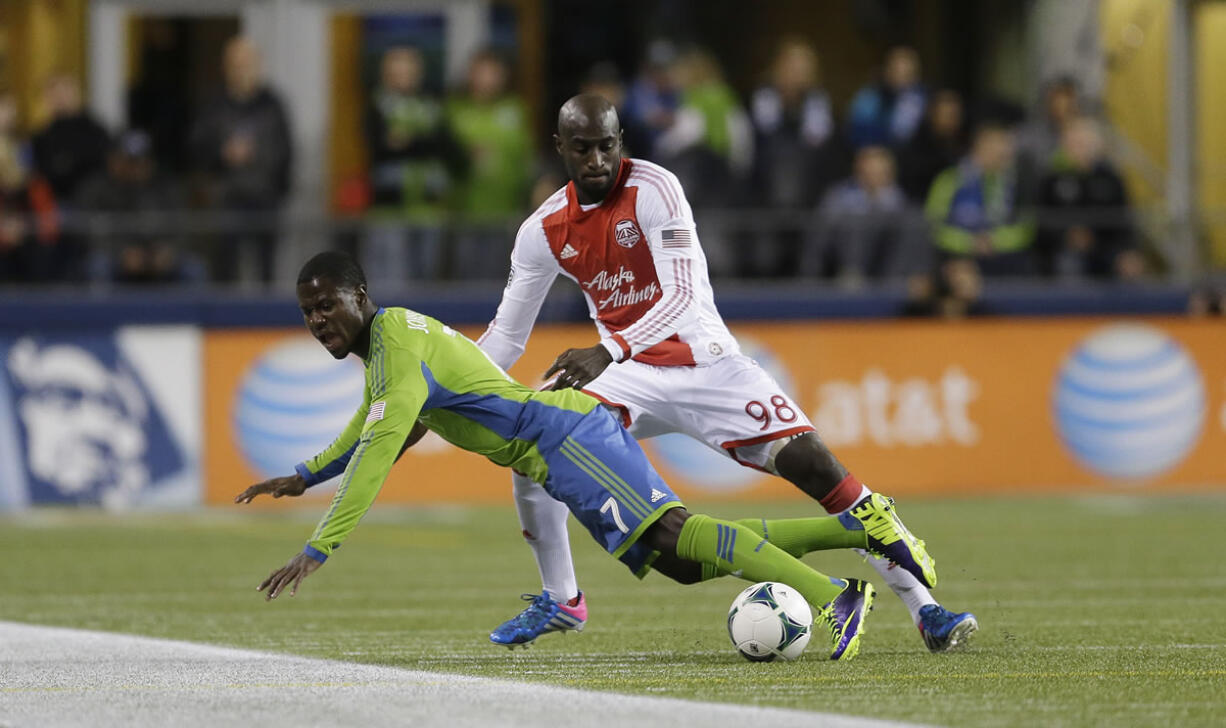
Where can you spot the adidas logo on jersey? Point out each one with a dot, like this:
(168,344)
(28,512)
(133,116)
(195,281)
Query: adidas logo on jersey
(657,495)
(568,252)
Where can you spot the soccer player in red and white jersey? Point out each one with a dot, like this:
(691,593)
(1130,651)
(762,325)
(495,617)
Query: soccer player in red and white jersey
(623,230)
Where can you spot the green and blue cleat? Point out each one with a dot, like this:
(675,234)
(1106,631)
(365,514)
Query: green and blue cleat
(844,616)
(543,615)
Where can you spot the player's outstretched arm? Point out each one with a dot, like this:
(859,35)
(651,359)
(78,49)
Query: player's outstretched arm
(286,485)
(296,485)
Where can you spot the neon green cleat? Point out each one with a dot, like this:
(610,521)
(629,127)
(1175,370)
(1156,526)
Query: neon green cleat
(889,538)
(844,616)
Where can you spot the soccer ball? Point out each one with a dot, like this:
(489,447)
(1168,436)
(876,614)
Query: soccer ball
(770,620)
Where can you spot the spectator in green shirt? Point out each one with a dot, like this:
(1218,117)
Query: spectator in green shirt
(491,125)
(975,210)
(414,165)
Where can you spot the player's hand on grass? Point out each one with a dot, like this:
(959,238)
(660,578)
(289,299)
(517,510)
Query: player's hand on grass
(298,568)
(285,485)
(576,368)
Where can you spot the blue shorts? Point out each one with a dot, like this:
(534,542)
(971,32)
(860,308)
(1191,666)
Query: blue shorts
(600,473)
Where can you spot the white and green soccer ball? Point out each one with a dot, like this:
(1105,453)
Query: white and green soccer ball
(770,620)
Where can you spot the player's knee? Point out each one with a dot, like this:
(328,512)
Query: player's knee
(691,574)
(665,532)
(807,462)
(679,570)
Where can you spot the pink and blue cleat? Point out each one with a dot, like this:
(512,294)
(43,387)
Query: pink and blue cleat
(542,616)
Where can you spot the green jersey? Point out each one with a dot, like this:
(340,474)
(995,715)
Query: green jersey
(420,370)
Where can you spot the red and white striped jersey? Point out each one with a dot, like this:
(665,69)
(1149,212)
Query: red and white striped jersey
(637,259)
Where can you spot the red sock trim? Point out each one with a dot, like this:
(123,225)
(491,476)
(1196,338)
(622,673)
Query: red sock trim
(574,601)
(842,496)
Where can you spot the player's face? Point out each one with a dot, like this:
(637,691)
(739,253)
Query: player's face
(333,315)
(591,155)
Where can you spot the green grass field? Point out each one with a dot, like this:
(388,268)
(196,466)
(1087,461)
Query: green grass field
(1103,611)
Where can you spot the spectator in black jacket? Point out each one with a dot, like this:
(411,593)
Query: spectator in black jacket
(938,145)
(243,149)
(72,146)
(1085,222)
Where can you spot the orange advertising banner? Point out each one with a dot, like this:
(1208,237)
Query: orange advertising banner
(988,406)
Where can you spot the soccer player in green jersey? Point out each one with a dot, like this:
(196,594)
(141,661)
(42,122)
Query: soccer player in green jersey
(422,374)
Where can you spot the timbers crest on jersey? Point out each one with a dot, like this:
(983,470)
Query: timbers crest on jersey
(626,233)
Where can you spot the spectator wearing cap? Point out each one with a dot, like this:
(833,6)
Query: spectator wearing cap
(889,112)
(1085,224)
(977,210)
(243,151)
(603,79)
(128,212)
(415,164)
(653,98)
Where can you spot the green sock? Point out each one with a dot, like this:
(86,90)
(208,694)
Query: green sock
(734,549)
(799,536)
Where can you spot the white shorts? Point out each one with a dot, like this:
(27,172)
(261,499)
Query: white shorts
(733,405)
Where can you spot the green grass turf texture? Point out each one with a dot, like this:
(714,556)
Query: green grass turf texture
(1106,610)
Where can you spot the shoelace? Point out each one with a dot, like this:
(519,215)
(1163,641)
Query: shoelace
(826,614)
(939,618)
(904,529)
(535,613)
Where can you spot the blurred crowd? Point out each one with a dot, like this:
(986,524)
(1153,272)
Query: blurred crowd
(909,182)
(81,202)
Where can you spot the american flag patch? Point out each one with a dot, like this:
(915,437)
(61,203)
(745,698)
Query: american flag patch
(376,412)
(675,239)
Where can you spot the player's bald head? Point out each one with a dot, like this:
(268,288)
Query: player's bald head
(589,116)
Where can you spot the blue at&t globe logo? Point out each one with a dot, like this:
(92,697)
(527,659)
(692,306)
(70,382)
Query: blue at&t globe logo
(1129,402)
(292,403)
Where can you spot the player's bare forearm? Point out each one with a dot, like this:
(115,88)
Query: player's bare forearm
(287,485)
(576,368)
(419,431)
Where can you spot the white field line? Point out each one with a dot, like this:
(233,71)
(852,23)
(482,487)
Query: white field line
(51,676)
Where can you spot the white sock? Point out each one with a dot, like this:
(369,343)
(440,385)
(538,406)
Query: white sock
(909,589)
(545,520)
